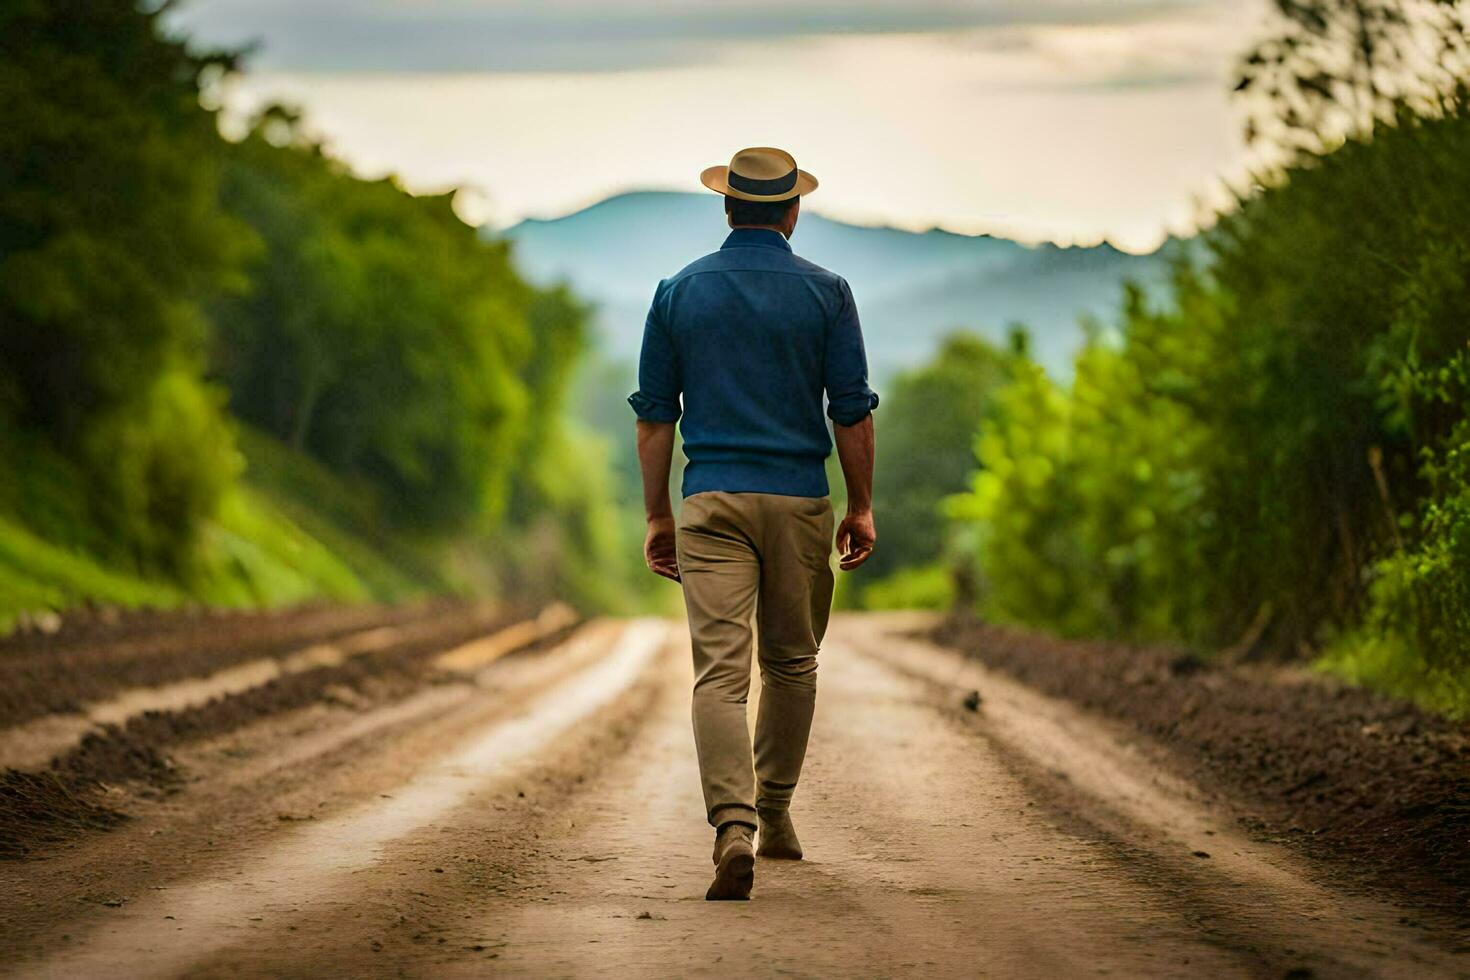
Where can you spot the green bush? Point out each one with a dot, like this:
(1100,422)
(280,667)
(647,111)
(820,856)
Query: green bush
(924,587)
(1274,460)
(1088,503)
(1416,634)
(926,430)
(158,467)
(1023,505)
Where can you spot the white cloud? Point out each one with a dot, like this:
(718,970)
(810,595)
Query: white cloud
(913,130)
(597,35)
(1058,119)
(1177,48)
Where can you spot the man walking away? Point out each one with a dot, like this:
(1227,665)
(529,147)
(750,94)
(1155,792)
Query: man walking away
(751,337)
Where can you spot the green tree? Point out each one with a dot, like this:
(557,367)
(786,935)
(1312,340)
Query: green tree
(926,429)
(384,337)
(111,239)
(1273,460)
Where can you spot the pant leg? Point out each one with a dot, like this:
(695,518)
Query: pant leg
(720,568)
(795,602)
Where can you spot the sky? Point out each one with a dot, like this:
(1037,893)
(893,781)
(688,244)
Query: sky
(1061,120)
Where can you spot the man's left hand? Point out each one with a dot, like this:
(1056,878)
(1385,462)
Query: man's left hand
(855,539)
(658,548)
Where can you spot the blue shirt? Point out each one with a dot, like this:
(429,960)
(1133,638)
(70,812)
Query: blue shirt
(751,337)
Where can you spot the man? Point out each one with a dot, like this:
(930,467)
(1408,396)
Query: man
(751,337)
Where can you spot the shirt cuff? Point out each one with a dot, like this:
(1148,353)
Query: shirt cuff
(852,409)
(654,409)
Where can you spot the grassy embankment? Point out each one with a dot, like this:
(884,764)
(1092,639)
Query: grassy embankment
(291,532)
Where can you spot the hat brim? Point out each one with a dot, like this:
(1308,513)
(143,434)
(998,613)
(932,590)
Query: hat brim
(717,179)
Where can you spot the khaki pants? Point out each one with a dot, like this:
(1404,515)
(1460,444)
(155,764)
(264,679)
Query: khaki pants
(761,556)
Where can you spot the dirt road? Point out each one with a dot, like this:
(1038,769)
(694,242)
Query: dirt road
(539,815)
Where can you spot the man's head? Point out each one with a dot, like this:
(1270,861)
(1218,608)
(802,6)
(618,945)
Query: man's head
(777,215)
(762,187)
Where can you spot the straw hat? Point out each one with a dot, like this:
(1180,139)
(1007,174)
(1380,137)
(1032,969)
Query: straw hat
(760,173)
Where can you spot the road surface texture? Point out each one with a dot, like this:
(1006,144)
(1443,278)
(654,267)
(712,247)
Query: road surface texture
(522,800)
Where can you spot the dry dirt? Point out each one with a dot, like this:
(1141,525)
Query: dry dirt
(1361,780)
(539,816)
(91,657)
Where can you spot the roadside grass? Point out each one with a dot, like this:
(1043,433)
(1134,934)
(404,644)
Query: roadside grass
(925,587)
(347,520)
(291,532)
(36,575)
(255,556)
(1384,663)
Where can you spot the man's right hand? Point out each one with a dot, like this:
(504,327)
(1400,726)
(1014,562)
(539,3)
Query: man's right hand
(659,551)
(855,539)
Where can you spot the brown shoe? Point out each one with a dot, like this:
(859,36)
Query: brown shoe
(734,864)
(778,837)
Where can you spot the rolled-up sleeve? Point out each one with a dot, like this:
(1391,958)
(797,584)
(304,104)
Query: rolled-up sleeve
(849,399)
(657,397)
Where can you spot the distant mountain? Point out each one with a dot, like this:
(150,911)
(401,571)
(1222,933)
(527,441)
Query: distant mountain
(911,287)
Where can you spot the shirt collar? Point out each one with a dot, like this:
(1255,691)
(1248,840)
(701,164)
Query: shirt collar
(764,237)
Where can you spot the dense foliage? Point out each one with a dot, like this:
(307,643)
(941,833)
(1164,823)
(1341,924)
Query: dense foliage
(930,417)
(1271,457)
(111,240)
(1274,459)
(159,285)
(384,337)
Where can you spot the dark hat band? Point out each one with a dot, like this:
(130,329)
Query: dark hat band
(765,188)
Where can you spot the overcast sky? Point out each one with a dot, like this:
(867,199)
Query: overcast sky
(1057,119)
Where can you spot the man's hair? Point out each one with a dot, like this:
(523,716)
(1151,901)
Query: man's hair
(757,212)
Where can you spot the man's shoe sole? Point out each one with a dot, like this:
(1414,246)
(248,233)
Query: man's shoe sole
(778,853)
(734,877)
